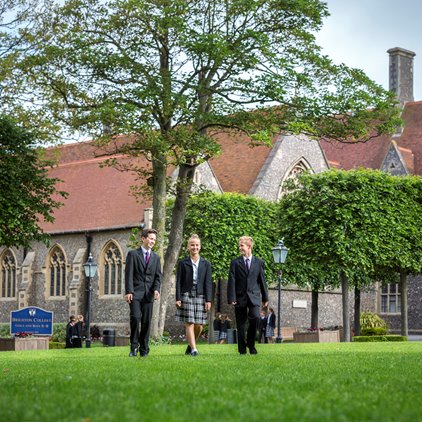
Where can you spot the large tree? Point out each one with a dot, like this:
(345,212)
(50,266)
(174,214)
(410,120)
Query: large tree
(175,72)
(358,222)
(28,195)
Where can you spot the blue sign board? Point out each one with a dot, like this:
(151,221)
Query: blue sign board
(31,320)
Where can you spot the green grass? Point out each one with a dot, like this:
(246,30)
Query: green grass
(287,382)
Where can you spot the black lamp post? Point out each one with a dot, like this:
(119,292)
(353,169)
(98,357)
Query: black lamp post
(280,255)
(90,268)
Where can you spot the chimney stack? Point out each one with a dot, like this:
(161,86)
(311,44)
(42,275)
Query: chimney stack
(401,73)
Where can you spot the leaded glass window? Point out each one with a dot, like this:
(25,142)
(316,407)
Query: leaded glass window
(57,273)
(113,270)
(8,275)
(292,176)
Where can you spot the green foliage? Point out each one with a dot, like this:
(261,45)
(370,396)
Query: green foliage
(376,338)
(370,320)
(220,219)
(4,330)
(346,220)
(56,345)
(159,341)
(206,66)
(374,331)
(27,193)
(59,332)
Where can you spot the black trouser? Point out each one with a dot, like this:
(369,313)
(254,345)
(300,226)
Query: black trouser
(261,336)
(140,314)
(243,314)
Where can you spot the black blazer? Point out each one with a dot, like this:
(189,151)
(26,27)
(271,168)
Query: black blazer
(243,284)
(184,278)
(141,279)
(271,320)
(262,324)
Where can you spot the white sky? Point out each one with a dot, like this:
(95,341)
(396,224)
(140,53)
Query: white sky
(359,33)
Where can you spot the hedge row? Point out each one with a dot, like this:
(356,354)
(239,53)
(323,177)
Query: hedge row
(388,337)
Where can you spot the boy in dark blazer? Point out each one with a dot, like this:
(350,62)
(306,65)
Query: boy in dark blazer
(142,286)
(246,286)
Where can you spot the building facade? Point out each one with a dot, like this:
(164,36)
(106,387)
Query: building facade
(100,212)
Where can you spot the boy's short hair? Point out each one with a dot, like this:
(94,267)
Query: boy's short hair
(246,239)
(147,232)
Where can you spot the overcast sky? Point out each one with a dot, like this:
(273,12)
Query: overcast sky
(359,33)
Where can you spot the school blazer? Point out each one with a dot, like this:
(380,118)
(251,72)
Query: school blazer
(243,285)
(184,278)
(141,279)
(271,321)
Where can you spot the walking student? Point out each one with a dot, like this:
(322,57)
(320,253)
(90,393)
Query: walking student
(193,293)
(246,289)
(269,331)
(142,286)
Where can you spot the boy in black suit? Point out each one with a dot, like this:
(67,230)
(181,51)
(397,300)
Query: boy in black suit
(142,285)
(246,286)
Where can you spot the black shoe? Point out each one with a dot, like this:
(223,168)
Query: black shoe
(133,353)
(242,352)
(253,351)
(144,354)
(188,350)
(194,353)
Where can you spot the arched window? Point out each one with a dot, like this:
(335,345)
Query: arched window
(112,270)
(57,271)
(8,275)
(293,173)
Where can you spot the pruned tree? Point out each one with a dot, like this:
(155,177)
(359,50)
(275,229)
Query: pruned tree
(360,222)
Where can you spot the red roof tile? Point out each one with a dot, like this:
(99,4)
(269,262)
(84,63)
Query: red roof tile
(372,153)
(99,198)
(411,138)
(349,156)
(239,164)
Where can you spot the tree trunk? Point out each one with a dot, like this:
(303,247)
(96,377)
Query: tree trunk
(314,309)
(403,303)
(345,302)
(175,239)
(159,166)
(356,324)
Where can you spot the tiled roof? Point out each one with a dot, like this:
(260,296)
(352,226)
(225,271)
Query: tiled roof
(99,197)
(372,153)
(349,156)
(239,164)
(411,138)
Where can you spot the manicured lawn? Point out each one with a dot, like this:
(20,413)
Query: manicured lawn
(287,382)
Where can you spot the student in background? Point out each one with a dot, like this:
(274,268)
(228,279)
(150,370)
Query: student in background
(225,326)
(78,328)
(269,332)
(262,326)
(70,332)
(217,327)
